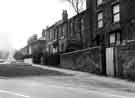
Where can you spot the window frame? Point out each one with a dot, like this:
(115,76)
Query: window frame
(99,3)
(115,13)
(100,20)
(117,39)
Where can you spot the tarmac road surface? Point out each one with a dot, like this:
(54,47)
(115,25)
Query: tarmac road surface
(52,84)
(26,88)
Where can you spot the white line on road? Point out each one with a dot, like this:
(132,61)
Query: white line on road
(14,93)
(108,94)
(90,91)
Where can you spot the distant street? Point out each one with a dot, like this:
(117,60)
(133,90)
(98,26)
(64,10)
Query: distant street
(56,85)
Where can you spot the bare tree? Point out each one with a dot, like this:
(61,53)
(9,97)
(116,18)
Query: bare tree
(78,5)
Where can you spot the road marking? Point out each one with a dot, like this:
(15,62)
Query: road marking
(14,93)
(90,91)
(108,94)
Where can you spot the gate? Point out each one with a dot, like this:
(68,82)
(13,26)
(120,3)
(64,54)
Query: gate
(110,69)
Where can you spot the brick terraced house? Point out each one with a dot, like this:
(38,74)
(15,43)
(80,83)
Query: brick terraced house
(69,35)
(113,21)
(104,24)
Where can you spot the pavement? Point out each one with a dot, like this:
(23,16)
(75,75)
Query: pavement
(72,84)
(85,79)
(109,82)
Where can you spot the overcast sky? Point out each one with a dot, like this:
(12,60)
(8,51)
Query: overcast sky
(20,19)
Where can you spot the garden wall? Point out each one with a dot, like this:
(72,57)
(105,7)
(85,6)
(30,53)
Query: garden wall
(88,60)
(125,61)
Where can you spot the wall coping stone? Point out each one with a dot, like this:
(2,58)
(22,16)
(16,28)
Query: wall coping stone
(82,50)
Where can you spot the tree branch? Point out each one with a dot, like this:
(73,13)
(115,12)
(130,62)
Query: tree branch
(77,5)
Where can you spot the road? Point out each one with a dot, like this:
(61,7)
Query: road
(57,87)
(26,88)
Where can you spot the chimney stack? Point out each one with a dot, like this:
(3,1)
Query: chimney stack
(65,15)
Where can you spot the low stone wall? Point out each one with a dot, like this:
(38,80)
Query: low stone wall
(53,60)
(88,60)
(125,61)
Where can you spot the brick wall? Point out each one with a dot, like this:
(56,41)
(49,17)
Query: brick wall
(88,60)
